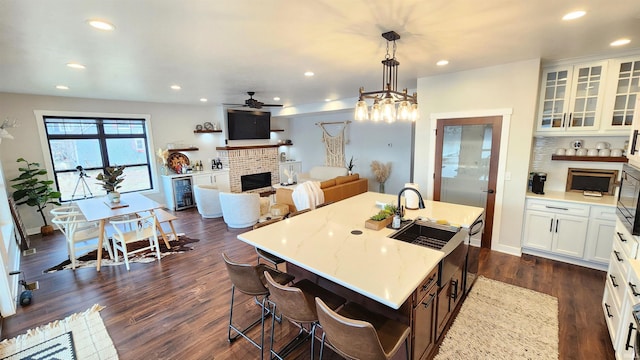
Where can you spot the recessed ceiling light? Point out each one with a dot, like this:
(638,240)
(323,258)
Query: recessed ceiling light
(204,99)
(309,73)
(442,62)
(176,87)
(574,15)
(327,99)
(101,25)
(62,87)
(276,99)
(620,42)
(76,66)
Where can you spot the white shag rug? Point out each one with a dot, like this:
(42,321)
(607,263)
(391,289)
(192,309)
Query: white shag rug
(501,321)
(90,340)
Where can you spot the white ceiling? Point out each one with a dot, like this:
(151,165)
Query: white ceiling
(220,49)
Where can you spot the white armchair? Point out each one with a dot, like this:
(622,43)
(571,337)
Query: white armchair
(208,201)
(240,210)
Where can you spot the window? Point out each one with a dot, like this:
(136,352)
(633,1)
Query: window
(81,147)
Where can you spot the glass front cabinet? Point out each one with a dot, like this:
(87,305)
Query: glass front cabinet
(571,97)
(623,89)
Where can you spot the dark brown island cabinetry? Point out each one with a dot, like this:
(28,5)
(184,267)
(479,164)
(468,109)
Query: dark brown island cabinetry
(424,315)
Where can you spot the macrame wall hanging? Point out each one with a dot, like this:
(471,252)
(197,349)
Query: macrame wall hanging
(334,144)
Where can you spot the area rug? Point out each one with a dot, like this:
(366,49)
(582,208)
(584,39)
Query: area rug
(80,336)
(502,321)
(89,259)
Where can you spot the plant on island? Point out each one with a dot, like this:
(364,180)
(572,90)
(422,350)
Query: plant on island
(388,211)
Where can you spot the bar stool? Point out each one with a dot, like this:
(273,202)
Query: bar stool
(296,303)
(356,333)
(249,280)
(266,255)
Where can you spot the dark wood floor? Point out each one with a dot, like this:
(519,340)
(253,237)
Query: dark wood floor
(178,308)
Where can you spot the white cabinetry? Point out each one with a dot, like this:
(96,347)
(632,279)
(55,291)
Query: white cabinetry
(622,91)
(219,178)
(571,97)
(291,167)
(565,231)
(602,223)
(621,292)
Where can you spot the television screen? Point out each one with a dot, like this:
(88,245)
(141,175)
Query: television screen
(247,125)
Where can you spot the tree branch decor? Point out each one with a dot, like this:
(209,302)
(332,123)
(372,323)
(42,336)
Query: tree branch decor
(381,172)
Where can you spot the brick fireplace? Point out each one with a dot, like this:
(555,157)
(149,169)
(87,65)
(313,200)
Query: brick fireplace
(249,160)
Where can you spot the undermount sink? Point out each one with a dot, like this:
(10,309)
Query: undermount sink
(430,234)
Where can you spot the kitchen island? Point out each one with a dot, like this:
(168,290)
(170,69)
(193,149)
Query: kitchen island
(333,243)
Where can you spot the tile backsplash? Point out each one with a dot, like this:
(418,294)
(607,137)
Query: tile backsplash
(545,146)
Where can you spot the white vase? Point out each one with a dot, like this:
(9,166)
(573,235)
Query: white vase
(114,197)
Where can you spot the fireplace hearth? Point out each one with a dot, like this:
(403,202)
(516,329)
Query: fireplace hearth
(255,181)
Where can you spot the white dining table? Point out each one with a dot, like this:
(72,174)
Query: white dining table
(99,209)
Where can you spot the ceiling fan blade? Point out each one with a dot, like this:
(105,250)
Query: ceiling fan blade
(273,105)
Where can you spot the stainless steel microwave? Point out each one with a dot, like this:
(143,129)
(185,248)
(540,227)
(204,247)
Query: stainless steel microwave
(627,208)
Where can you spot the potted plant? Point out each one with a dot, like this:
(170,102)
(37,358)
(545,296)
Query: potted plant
(110,181)
(382,218)
(34,191)
(350,166)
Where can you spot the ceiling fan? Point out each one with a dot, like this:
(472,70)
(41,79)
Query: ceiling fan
(253,103)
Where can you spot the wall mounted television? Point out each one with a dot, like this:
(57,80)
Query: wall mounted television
(248,125)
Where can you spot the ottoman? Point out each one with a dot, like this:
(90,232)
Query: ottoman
(279,209)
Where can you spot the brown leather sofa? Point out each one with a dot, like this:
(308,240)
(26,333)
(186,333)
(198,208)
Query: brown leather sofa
(335,189)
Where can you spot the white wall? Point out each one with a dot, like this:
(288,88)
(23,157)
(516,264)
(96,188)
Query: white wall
(513,86)
(366,142)
(169,124)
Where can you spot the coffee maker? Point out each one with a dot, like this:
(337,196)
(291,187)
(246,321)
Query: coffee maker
(537,183)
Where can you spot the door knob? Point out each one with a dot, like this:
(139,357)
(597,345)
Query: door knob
(490,191)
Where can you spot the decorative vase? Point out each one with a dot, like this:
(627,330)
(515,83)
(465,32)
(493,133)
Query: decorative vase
(290,181)
(46,230)
(163,170)
(349,172)
(114,197)
(381,190)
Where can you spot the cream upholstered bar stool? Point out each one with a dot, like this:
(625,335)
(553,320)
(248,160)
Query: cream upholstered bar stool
(264,255)
(297,304)
(357,333)
(250,280)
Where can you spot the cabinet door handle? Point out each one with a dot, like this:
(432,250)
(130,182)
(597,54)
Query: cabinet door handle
(428,284)
(556,208)
(633,289)
(617,254)
(428,303)
(634,142)
(627,345)
(557,222)
(454,293)
(564,117)
(606,306)
(569,121)
(613,280)
(551,226)
(621,237)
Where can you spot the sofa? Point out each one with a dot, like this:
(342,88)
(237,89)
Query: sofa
(321,173)
(336,189)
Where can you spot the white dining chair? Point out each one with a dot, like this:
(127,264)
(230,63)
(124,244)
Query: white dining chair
(132,230)
(80,234)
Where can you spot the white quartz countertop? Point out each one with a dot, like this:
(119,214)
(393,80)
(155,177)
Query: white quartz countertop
(575,197)
(383,269)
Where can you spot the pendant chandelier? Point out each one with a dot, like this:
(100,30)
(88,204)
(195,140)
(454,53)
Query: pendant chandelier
(389,104)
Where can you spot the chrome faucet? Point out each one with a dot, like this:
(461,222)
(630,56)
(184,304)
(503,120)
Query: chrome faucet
(397,218)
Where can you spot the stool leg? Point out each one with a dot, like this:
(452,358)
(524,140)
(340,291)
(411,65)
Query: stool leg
(322,345)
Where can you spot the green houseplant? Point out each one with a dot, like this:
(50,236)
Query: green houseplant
(110,181)
(34,191)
